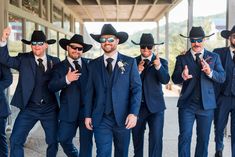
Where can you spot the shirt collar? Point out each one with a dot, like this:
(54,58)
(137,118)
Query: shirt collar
(44,58)
(193,53)
(149,57)
(115,55)
(231,49)
(71,61)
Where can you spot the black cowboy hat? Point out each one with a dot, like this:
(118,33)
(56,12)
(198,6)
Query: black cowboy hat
(197,32)
(108,29)
(147,39)
(226,33)
(78,39)
(38,36)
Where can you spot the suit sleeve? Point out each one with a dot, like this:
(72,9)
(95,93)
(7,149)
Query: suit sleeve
(57,81)
(6,79)
(218,74)
(90,94)
(162,73)
(12,62)
(136,89)
(177,74)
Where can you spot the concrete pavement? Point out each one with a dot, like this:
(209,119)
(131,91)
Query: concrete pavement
(36,147)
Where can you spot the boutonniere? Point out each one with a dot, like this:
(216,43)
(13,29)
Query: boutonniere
(122,65)
(208,59)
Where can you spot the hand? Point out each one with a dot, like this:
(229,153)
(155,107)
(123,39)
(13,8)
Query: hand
(157,62)
(88,123)
(5,34)
(185,73)
(205,67)
(72,75)
(141,66)
(131,121)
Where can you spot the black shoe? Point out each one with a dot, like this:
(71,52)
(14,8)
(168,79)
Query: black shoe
(219,153)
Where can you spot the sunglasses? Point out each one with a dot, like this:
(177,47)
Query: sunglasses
(144,46)
(103,40)
(196,40)
(34,43)
(76,48)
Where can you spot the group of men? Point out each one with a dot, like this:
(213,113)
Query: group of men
(114,94)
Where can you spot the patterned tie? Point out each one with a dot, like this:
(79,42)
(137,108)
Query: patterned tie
(198,60)
(77,66)
(109,66)
(40,64)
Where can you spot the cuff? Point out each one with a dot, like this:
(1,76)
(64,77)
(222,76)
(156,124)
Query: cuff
(210,75)
(3,43)
(158,67)
(67,81)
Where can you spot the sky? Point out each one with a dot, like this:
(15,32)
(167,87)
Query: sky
(178,14)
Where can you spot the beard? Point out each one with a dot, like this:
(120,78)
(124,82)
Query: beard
(232,45)
(109,48)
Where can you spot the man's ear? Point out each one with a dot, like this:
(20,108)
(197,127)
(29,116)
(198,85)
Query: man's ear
(117,40)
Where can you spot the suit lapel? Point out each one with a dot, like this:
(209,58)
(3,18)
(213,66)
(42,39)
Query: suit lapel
(103,69)
(116,69)
(190,63)
(33,63)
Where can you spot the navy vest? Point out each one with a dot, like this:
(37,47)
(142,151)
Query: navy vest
(196,98)
(109,85)
(41,99)
(229,77)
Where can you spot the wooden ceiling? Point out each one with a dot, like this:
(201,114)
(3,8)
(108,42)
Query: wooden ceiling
(120,10)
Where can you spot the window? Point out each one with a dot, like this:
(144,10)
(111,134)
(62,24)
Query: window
(31,6)
(52,49)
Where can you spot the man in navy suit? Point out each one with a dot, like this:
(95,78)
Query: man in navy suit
(32,96)
(113,95)
(70,78)
(197,70)
(5,81)
(226,93)
(154,72)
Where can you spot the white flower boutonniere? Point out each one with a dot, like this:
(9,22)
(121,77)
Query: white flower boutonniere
(122,65)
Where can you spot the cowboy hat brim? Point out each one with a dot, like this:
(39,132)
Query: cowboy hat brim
(49,42)
(226,33)
(64,42)
(196,37)
(147,44)
(122,36)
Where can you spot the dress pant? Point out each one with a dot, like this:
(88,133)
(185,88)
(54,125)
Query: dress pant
(107,132)
(85,138)
(24,122)
(3,139)
(203,119)
(226,105)
(67,131)
(155,122)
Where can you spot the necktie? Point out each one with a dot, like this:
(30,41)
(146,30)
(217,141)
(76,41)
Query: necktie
(40,65)
(109,66)
(198,60)
(234,56)
(146,62)
(77,66)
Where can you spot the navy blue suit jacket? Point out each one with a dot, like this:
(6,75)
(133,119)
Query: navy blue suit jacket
(71,95)
(126,90)
(224,53)
(207,84)
(152,84)
(26,65)
(5,81)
